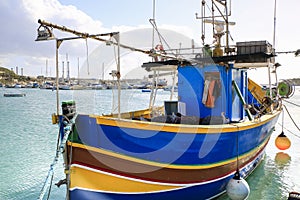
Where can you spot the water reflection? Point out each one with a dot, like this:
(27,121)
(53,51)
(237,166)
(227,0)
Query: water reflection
(282,159)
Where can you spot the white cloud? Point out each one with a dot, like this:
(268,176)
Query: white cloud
(18,32)
(18,19)
(67,15)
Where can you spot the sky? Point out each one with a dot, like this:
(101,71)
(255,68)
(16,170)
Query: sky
(18,18)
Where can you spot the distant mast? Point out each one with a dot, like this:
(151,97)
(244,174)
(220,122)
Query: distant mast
(46,68)
(102,72)
(78,69)
(68,69)
(63,72)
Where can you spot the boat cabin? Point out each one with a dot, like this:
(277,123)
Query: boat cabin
(215,90)
(207,92)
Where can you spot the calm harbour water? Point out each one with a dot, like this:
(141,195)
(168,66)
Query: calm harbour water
(28,142)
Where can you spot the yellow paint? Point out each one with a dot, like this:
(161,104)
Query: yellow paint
(54,119)
(168,165)
(256,90)
(97,180)
(184,128)
(146,113)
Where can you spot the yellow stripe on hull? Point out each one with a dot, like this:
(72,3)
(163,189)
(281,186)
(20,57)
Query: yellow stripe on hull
(184,128)
(169,165)
(91,179)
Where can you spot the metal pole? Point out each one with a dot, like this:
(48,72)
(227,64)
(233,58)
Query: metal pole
(117,37)
(274,31)
(58,42)
(78,69)
(153,18)
(227,28)
(96,37)
(270,83)
(173,85)
(152,90)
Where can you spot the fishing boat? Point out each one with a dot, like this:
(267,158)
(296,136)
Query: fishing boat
(189,148)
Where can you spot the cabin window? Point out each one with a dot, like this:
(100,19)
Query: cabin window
(212,75)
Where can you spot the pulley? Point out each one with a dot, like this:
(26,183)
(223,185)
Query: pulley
(285,89)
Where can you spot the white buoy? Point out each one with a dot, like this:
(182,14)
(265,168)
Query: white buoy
(237,188)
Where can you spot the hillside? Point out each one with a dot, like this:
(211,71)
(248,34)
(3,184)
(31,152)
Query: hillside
(7,76)
(7,72)
(296,81)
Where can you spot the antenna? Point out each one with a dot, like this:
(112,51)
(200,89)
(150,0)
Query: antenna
(153,18)
(274,31)
(220,28)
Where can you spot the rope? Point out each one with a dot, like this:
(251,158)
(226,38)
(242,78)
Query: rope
(237,147)
(292,120)
(289,131)
(282,120)
(70,162)
(87,56)
(161,38)
(49,178)
(50,187)
(292,103)
(237,150)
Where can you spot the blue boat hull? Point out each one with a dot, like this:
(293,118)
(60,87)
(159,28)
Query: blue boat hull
(123,159)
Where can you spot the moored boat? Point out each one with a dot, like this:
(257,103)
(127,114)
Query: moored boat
(64,87)
(146,90)
(188,148)
(14,95)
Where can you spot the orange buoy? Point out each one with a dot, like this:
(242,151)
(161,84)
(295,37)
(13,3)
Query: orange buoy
(282,142)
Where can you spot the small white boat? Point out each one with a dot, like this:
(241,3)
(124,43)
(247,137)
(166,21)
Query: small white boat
(64,87)
(18,86)
(98,87)
(146,90)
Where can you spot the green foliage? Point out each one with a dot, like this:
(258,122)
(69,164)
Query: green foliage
(4,72)
(7,75)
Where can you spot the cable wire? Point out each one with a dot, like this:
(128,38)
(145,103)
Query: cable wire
(292,103)
(291,118)
(87,56)
(289,131)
